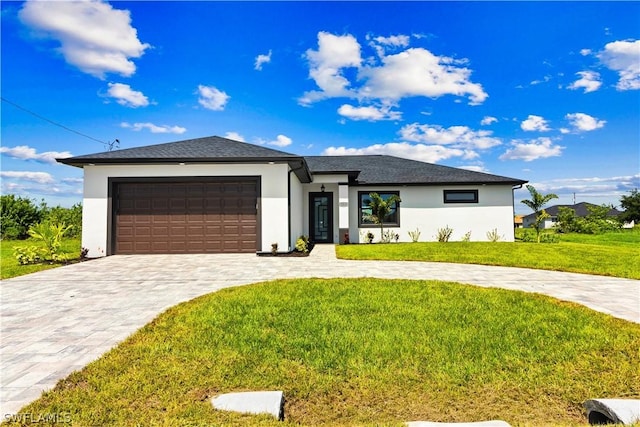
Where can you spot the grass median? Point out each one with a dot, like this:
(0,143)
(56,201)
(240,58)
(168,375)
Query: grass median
(360,352)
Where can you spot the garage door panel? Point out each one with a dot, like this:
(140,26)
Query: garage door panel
(178,217)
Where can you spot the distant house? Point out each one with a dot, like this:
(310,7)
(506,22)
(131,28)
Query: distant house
(581,209)
(517,221)
(212,195)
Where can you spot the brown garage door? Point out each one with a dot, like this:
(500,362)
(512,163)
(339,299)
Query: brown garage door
(185,217)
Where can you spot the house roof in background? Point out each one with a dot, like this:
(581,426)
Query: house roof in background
(362,170)
(581,209)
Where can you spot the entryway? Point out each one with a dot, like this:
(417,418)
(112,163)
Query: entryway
(321,217)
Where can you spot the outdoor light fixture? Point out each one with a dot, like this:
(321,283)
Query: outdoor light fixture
(322,188)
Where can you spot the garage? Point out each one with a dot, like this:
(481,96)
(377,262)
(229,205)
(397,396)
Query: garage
(195,216)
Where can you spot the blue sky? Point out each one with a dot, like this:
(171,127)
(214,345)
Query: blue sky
(547,92)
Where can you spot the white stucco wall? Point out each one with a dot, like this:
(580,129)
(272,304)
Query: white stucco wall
(423,208)
(274,214)
(297,202)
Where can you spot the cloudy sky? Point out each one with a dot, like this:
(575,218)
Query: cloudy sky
(547,92)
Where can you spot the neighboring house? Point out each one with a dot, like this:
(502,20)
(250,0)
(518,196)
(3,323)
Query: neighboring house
(581,209)
(212,195)
(517,221)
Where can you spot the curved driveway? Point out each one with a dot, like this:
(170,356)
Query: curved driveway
(56,321)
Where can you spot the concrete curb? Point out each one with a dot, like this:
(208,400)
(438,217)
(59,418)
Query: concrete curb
(252,402)
(607,411)
(493,423)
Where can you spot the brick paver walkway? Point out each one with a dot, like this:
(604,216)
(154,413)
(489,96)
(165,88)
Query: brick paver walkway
(57,321)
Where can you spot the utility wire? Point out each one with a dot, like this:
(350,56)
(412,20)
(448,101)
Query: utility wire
(106,144)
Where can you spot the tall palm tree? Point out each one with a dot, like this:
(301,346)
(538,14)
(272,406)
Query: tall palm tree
(381,208)
(537,202)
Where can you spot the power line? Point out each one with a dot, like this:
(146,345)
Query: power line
(106,144)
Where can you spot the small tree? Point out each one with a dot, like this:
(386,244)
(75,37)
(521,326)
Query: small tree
(567,220)
(17,214)
(381,208)
(631,206)
(537,202)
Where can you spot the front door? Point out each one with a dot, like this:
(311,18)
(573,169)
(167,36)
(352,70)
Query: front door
(321,217)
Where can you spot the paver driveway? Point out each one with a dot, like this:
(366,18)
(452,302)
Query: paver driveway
(57,321)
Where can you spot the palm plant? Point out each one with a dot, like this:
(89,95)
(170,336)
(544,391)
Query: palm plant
(537,202)
(381,208)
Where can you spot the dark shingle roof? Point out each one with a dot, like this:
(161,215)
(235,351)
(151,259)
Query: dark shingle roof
(377,169)
(581,210)
(200,150)
(380,169)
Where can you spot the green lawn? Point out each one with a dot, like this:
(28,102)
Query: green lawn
(360,352)
(610,254)
(9,266)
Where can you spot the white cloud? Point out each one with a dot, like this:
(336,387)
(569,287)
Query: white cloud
(261,60)
(24,152)
(325,66)
(126,96)
(585,52)
(281,141)
(93,36)
(153,128)
(457,136)
(487,120)
(584,122)
(398,40)
(538,148)
(418,72)
(534,123)
(545,79)
(589,80)
(235,136)
(211,98)
(411,72)
(624,57)
(370,113)
(421,152)
(37,177)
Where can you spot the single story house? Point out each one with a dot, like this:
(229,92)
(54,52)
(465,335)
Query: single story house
(581,209)
(216,195)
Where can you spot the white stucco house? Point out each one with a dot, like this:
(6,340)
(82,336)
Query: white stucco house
(216,195)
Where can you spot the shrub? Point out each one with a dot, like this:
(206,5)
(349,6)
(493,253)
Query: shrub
(415,235)
(549,238)
(444,234)
(388,236)
(370,237)
(17,214)
(302,244)
(493,235)
(71,216)
(51,235)
(27,255)
(466,237)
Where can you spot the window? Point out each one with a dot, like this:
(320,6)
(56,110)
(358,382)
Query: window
(364,210)
(461,196)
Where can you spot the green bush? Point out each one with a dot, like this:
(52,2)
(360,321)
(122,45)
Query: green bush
(27,255)
(17,214)
(51,235)
(302,244)
(71,216)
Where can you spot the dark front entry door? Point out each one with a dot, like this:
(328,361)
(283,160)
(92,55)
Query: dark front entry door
(321,217)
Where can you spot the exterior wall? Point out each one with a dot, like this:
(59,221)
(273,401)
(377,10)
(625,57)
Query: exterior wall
(423,208)
(274,209)
(297,209)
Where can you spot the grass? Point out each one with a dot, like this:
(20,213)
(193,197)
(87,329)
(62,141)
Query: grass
(9,266)
(359,352)
(609,254)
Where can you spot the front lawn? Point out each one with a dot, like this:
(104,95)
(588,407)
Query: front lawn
(611,254)
(9,266)
(360,352)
